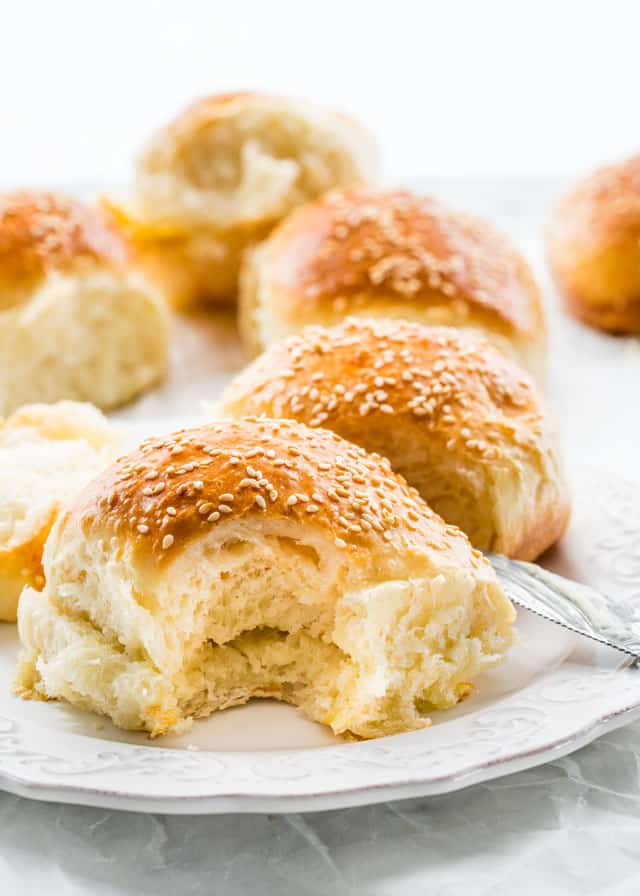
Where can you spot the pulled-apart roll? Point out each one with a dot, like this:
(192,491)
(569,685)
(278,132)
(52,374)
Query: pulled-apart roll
(259,559)
(222,173)
(376,253)
(47,454)
(462,423)
(77,318)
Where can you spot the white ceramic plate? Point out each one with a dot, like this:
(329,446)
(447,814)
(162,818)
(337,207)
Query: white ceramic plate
(554,693)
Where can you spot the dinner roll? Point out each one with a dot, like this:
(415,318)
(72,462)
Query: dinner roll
(76,319)
(222,173)
(594,248)
(462,423)
(47,453)
(391,254)
(259,559)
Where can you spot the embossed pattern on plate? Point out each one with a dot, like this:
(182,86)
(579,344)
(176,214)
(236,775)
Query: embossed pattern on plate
(554,694)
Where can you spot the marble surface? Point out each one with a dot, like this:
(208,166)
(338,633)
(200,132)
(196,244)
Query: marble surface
(571,826)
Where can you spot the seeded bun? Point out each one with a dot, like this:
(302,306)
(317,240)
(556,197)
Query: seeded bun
(47,454)
(594,248)
(391,254)
(77,320)
(462,423)
(222,173)
(259,559)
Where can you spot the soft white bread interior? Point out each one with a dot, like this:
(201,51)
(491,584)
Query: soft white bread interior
(259,559)
(223,172)
(462,423)
(77,319)
(47,454)
(381,253)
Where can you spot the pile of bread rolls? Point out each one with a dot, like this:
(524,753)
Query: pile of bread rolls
(320,540)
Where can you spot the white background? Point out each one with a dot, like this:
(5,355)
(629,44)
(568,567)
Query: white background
(455,88)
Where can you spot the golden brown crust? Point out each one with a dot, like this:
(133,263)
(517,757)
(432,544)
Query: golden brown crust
(42,232)
(594,248)
(189,268)
(177,488)
(400,388)
(22,564)
(363,244)
(362,372)
(543,531)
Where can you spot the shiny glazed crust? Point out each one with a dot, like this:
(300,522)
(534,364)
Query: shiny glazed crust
(426,397)
(43,233)
(369,252)
(174,489)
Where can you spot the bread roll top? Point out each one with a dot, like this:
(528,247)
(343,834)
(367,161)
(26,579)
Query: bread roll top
(42,233)
(175,489)
(370,243)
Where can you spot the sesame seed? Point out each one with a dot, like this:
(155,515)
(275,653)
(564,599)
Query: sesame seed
(224,508)
(171,511)
(213,517)
(260,501)
(142,528)
(167,541)
(227,497)
(292,500)
(205,508)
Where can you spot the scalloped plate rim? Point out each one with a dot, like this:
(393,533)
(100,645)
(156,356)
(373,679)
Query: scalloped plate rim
(226,803)
(611,699)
